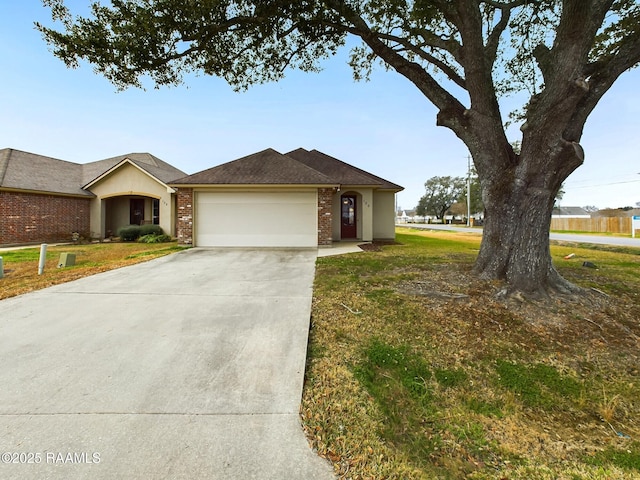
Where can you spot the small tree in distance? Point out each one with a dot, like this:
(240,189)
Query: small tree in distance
(441,193)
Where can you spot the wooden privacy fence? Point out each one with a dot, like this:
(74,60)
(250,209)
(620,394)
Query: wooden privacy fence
(596,224)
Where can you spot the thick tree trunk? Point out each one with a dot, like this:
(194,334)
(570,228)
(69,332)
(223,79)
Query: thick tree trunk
(515,244)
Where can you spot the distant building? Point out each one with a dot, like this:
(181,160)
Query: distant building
(570,212)
(617,212)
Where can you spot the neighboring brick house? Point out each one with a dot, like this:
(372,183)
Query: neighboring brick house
(43,199)
(299,199)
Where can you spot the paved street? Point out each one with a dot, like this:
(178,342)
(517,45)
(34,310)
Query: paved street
(564,237)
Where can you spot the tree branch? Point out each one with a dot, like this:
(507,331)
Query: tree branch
(439,96)
(601,76)
(477,65)
(435,41)
(563,66)
(494,38)
(509,5)
(447,69)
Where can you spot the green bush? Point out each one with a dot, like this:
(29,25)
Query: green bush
(129,233)
(153,238)
(150,230)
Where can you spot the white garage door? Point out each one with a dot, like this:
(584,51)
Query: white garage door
(256,219)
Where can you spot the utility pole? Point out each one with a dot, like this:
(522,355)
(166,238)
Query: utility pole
(468,190)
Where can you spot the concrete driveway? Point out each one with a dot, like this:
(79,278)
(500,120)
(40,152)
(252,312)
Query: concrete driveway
(185,367)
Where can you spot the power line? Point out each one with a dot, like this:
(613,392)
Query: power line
(600,184)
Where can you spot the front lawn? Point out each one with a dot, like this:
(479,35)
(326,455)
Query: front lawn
(21,266)
(416,371)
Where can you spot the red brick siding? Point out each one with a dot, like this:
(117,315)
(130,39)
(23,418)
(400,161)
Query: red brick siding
(185,216)
(325,206)
(34,218)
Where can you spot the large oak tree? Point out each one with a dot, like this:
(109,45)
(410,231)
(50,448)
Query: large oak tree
(461,54)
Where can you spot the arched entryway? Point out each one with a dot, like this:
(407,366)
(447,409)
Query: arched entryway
(124,210)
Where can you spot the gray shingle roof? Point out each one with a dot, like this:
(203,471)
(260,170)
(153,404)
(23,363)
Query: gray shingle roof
(156,167)
(341,172)
(568,211)
(299,167)
(29,171)
(267,167)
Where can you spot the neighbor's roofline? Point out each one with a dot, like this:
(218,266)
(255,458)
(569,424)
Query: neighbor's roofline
(47,192)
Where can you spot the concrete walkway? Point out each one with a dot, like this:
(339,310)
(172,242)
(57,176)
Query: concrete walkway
(185,367)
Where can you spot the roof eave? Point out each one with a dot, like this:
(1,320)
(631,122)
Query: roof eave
(47,192)
(253,185)
(377,187)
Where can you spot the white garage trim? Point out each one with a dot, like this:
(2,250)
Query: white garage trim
(256,218)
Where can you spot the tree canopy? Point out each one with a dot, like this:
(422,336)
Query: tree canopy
(509,43)
(462,55)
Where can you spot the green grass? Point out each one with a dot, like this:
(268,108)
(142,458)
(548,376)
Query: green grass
(170,249)
(409,371)
(537,385)
(21,266)
(25,255)
(627,459)
(405,383)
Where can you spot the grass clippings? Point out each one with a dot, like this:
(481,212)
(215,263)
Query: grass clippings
(417,371)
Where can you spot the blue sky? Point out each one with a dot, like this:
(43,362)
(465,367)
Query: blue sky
(384,126)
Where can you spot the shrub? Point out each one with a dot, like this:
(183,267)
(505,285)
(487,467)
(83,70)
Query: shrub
(150,230)
(153,238)
(129,233)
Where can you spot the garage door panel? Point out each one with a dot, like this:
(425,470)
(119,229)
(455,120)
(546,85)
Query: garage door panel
(222,240)
(252,198)
(256,219)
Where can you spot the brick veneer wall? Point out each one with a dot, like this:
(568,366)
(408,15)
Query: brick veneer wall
(34,218)
(185,216)
(325,206)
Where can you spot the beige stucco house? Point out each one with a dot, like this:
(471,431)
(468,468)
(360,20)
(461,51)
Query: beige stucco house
(299,199)
(43,199)
(133,192)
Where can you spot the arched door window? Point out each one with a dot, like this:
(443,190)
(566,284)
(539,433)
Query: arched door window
(348,224)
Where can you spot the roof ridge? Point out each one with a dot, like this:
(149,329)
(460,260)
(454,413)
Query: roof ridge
(305,165)
(360,170)
(268,166)
(5,154)
(294,159)
(153,160)
(353,167)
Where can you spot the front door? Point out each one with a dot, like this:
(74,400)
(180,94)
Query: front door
(136,211)
(348,224)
